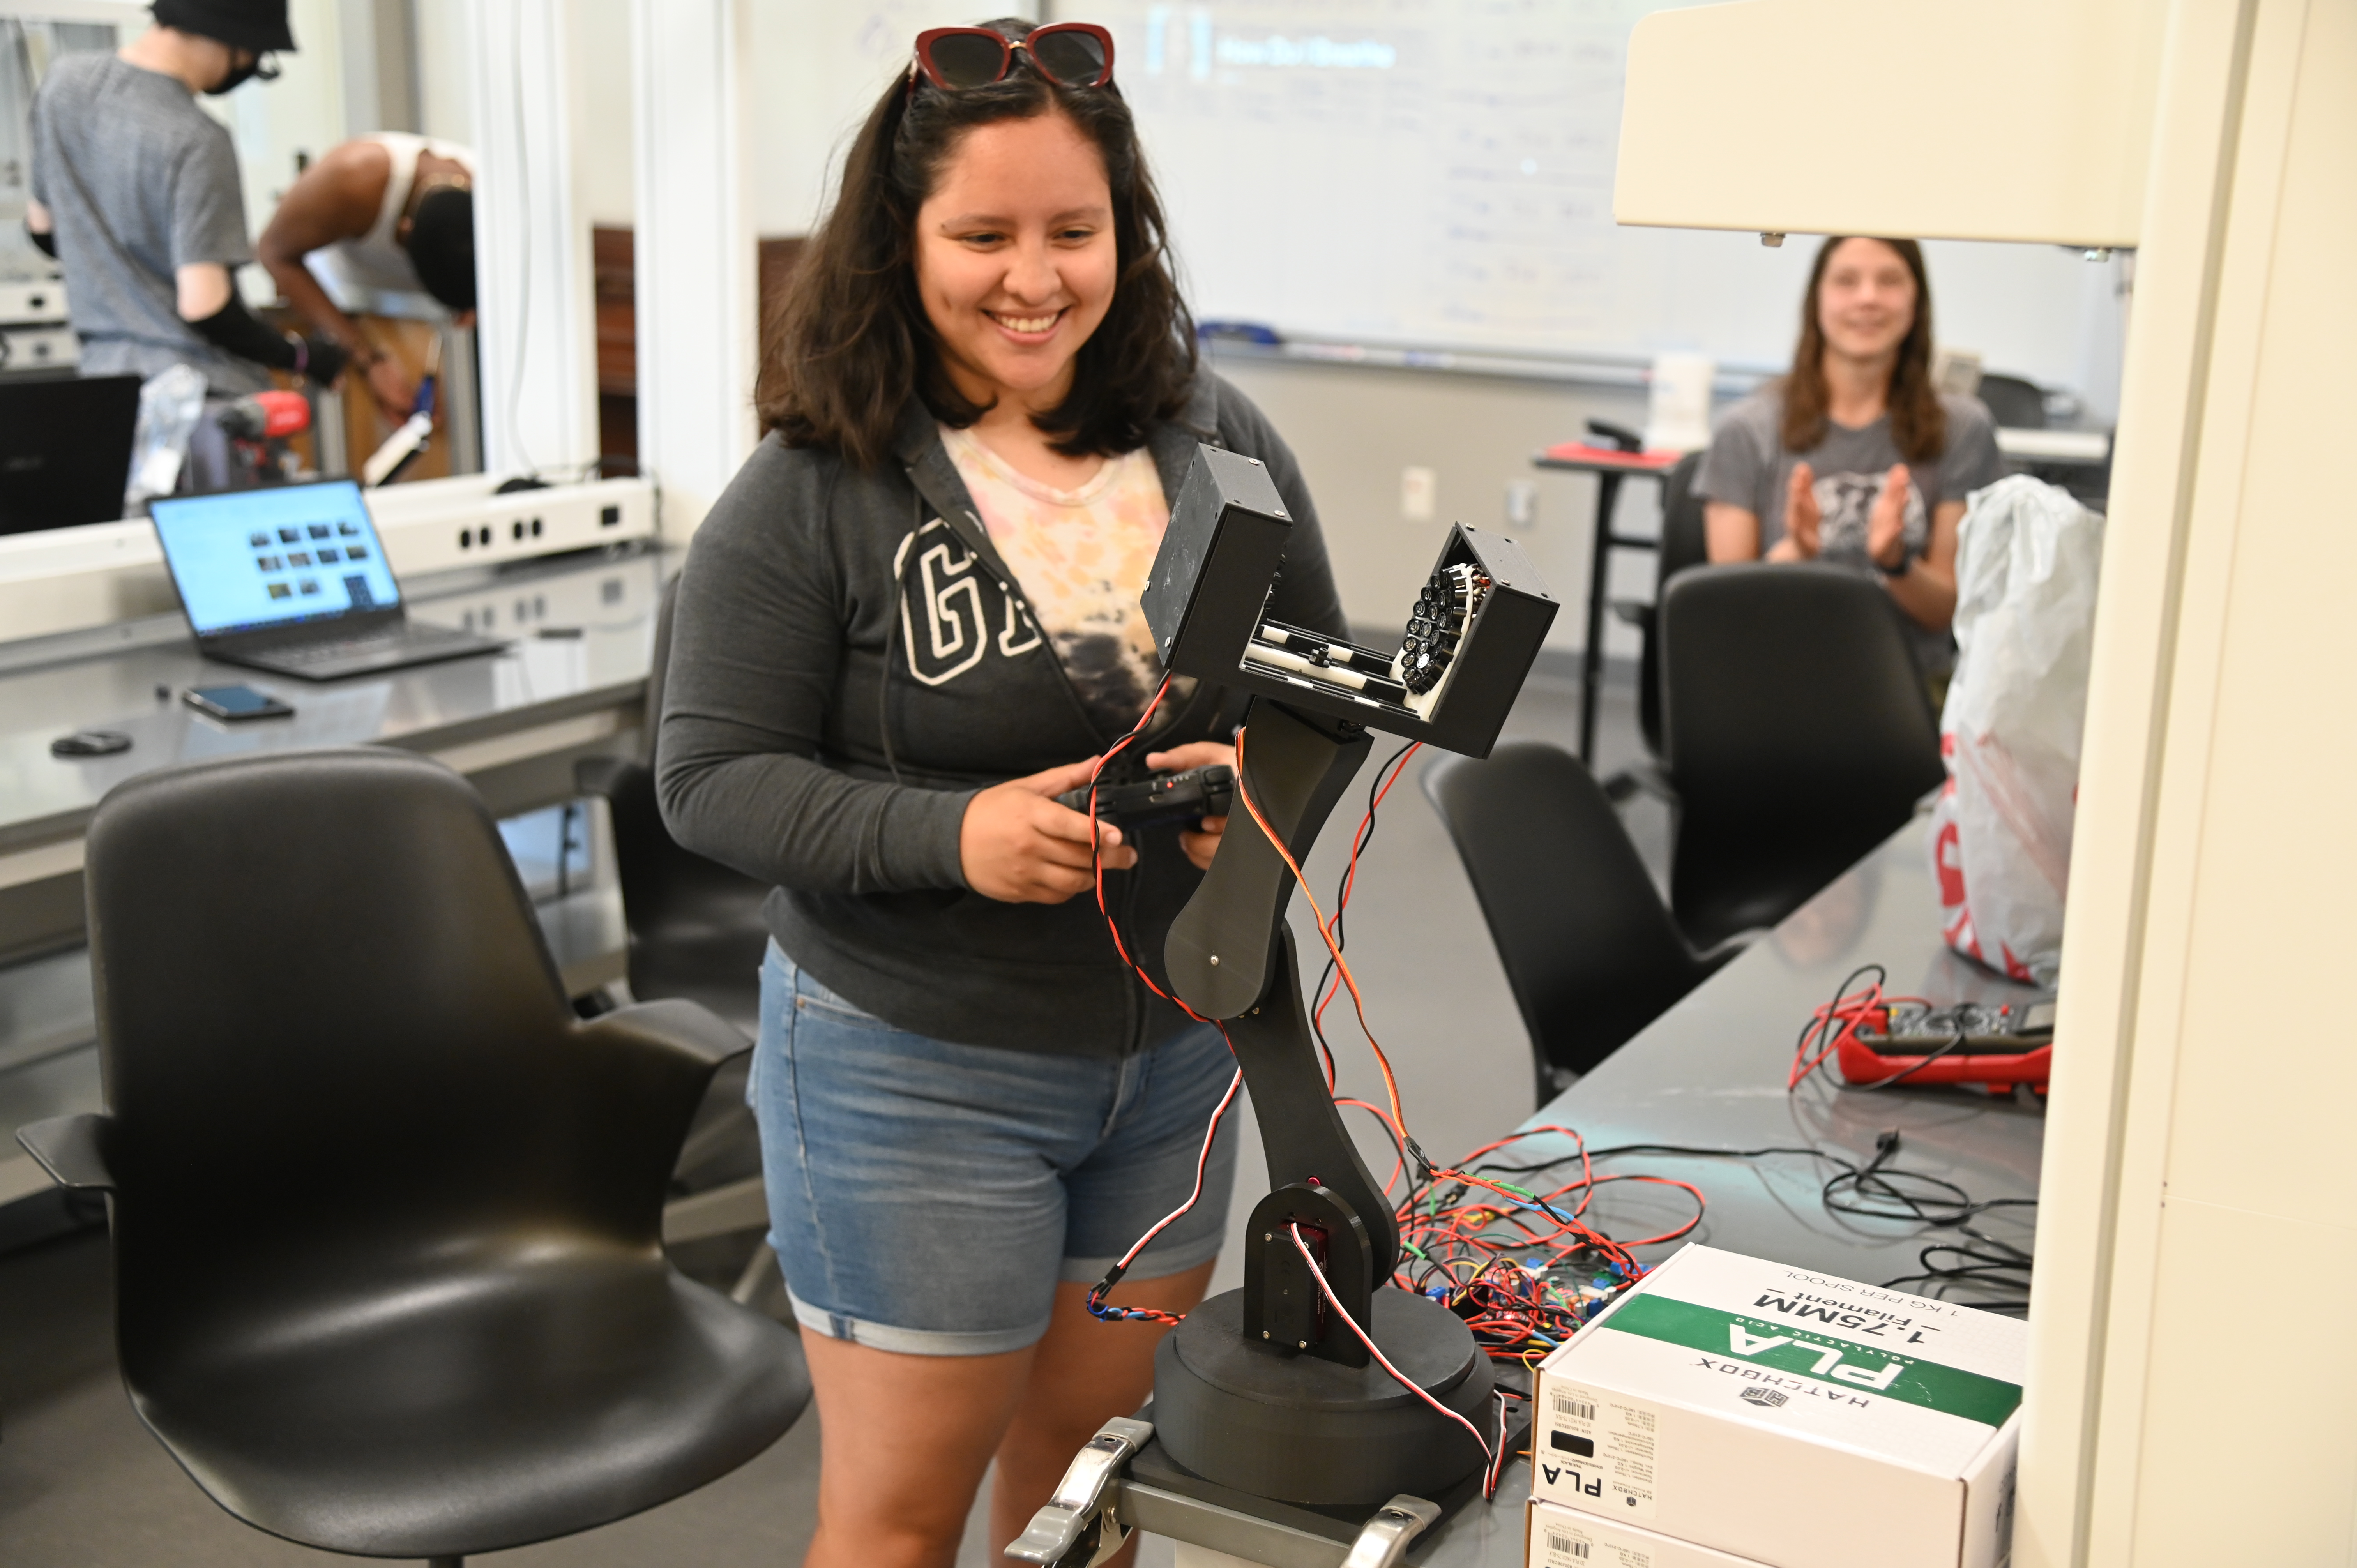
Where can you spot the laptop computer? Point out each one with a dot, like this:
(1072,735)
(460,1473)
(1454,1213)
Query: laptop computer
(64,449)
(293,579)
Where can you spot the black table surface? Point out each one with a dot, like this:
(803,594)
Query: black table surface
(1710,1073)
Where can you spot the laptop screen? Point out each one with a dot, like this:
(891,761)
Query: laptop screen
(249,560)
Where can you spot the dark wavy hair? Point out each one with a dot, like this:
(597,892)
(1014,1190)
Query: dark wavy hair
(850,340)
(1919,425)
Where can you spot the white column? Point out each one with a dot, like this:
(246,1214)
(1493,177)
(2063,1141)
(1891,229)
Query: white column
(695,253)
(538,323)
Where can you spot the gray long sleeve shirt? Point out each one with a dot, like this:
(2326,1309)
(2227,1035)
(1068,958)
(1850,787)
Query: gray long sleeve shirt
(780,705)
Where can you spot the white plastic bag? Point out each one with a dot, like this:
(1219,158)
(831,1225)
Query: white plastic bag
(170,403)
(2026,560)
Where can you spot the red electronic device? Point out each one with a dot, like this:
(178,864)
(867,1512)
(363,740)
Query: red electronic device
(1998,1047)
(267,416)
(1611,457)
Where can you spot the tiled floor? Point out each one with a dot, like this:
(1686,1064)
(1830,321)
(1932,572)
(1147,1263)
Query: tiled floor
(81,1484)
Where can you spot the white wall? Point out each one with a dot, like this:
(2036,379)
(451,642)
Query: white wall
(2199,1119)
(817,67)
(444,107)
(1354,427)
(604,167)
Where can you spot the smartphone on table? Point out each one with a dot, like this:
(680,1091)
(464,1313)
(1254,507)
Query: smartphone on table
(233,704)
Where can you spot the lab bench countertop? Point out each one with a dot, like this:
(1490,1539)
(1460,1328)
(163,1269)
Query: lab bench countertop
(469,712)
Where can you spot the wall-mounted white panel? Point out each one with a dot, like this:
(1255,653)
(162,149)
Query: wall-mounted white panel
(538,335)
(694,252)
(1999,120)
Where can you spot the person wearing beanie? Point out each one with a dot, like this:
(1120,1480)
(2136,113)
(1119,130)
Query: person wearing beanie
(136,193)
(382,225)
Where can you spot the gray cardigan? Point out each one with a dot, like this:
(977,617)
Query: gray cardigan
(778,708)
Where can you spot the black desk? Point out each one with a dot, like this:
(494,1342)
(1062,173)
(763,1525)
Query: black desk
(1610,471)
(1710,1072)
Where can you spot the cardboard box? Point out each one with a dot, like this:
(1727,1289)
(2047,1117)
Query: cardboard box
(1789,1417)
(1560,1538)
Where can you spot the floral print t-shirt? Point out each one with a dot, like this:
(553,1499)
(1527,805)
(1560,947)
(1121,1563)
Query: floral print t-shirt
(1081,557)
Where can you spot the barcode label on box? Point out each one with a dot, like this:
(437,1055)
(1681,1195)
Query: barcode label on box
(1572,1406)
(1562,1545)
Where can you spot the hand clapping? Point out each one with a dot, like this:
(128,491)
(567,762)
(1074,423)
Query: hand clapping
(1886,525)
(1803,517)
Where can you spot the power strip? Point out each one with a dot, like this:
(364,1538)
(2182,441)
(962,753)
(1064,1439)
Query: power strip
(71,579)
(29,302)
(438,524)
(38,349)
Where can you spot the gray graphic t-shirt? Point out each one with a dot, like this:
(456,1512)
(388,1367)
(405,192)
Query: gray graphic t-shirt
(141,183)
(1747,466)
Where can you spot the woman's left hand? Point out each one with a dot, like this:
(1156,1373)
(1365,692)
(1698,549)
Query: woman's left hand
(1201,841)
(1886,525)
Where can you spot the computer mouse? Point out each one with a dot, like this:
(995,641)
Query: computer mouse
(89,743)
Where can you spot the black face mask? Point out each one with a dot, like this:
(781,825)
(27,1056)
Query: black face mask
(260,67)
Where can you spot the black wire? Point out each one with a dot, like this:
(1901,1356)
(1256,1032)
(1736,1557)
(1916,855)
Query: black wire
(1876,1190)
(1956,1044)
(1814,1029)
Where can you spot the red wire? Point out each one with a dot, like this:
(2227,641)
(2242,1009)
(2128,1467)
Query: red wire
(1832,1024)
(1504,1300)
(1395,766)
(1096,1297)
(1244,796)
(1096,856)
(1376,1352)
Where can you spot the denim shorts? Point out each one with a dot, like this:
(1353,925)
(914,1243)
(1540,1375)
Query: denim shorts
(926,1196)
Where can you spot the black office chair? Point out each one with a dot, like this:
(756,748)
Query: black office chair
(695,934)
(696,926)
(1590,953)
(2014,403)
(386,1216)
(1795,730)
(1684,543)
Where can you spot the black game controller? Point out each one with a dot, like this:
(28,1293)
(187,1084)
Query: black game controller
(1161,798)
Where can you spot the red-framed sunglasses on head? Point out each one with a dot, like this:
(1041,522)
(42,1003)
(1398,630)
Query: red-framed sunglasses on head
(1070,54)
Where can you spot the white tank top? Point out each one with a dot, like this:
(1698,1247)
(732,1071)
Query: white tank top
(373,274)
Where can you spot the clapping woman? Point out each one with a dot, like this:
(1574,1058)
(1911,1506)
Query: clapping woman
(1854,458)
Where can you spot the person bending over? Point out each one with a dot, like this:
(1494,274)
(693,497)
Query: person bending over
(1854,458)
(390,214)
(906,626)
(136,192)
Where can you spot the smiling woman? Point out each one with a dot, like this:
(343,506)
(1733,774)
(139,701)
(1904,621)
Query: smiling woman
(908,625)
(1855,458)
(850,350)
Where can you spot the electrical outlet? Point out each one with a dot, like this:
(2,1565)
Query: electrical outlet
(1521,503)
(1419,495)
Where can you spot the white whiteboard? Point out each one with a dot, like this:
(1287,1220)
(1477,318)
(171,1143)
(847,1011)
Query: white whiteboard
(1438,174)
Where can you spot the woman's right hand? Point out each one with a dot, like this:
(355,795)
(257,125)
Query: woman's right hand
(1017,845)
(1801,517)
